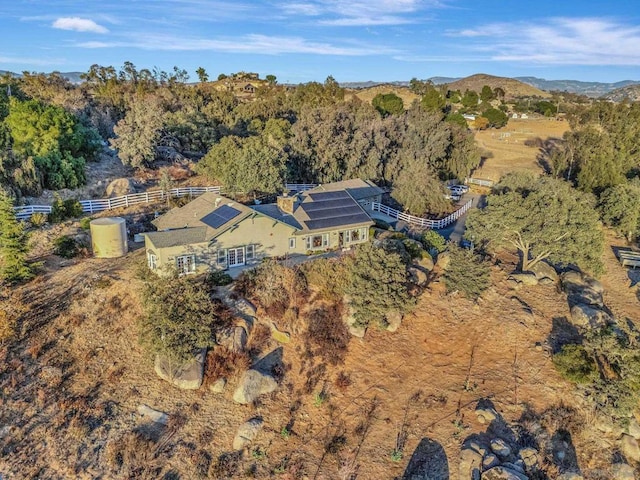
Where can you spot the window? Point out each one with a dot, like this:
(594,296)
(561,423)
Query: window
(152,260)
(222,257)
(292,243)
(356,235)
(250,252)
(186,264)
(316,242)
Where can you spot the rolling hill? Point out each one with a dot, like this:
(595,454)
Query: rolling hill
(512,87)
(629,92)
(590,89)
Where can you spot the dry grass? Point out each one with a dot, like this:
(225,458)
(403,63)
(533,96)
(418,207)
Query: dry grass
(507,148)
(367,94)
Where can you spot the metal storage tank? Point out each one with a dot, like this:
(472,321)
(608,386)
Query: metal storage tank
(109,237)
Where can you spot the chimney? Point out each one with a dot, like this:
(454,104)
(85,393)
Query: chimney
(286,203)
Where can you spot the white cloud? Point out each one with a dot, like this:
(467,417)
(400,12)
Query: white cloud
(557,41)
(350,13)
(78,24)
(253,43)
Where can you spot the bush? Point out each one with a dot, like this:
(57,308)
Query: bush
(382,224)
(377,285)
(467,273)
(327,276)
(218,278)
(85,223)
(66,247)
(575,364)
(62,210)
(433,242)
(180,316)
(38,219)
(273,287)
(327,335)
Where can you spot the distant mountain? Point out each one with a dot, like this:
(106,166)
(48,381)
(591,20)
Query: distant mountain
(628,92)
(443,80)
(591,89)
(371,83)
(512,87)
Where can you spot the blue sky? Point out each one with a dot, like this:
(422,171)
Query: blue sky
(304,40)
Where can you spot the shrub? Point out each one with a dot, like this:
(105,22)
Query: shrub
(38,219)
(218,278)
(224,363)
(327,335)
(377,284)
(64,209)
(85,223)
(65,247)
(273,287)
(180,316)
(575,364)
(327,276)
(382,224)
(467,273)
(433,242)
(414,248)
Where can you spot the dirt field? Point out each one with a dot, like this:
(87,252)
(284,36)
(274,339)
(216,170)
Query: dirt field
(506,147)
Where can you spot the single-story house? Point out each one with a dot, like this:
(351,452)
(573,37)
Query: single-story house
(214,232)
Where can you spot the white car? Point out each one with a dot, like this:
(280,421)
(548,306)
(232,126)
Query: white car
(458,189)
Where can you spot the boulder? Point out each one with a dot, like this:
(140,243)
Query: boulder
(544,270)
(546,281)
(153,415)
(529,456)
(582,288)
(486,414)
(470,464)
(247,432)
(279,335)
(503,473)
(394,319)
(232,338)
(218,385)
(634,428)
(417,276)
(586,316)
(425,262)
(490,461)
(444,259)
(352,324)
(528,279)
(500,448)
(187,375)
(245,307)
(120,187)
(253,384)
(622,471)
(630,448)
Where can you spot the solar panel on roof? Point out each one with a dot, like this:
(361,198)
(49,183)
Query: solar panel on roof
(337,221)
(334,212)
(220,216)
(321,205)
(318,197)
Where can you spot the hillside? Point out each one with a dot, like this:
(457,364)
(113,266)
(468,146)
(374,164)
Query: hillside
(367,94)
(512,88)
(629,93)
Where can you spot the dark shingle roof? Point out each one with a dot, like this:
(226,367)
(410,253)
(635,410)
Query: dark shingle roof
(359,189)
(180,236)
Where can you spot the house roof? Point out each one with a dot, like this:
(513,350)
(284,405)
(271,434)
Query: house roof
(181,236)
(210,212)
(359,189)
(320,210)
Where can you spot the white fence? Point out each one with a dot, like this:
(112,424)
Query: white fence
(299,187)
(99,205)
(479,181)
(421,222)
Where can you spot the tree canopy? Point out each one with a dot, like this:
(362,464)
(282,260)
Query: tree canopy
(541,218)
(13,244)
